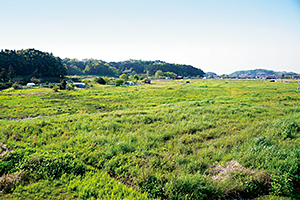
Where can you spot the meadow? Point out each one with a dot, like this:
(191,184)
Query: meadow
(208,139)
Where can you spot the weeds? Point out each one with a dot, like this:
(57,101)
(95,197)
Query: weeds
(163,139)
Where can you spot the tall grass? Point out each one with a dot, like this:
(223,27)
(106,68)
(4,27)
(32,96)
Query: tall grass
(162,139)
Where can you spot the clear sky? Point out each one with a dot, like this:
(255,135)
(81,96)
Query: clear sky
(221,36)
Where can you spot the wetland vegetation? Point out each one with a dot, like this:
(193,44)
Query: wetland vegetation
(209,139)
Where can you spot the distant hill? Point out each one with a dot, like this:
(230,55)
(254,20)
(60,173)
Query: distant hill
(261,73)
(208,74)
(99,67)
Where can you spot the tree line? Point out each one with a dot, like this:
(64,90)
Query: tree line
(34,63)
(149,68)
(262,72)
(29,63)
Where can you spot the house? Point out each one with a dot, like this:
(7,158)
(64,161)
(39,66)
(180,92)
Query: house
(296,77)
(271,77)
(79,85)
(178,77)
(30,85)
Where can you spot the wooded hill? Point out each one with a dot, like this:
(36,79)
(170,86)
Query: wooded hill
(34,63)
(261,72)
(29,62)
(99,67)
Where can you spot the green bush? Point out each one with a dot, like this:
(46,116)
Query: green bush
(56,88)
(100,80)
(119,82)
(15,85)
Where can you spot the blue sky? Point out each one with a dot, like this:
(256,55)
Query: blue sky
(221,36)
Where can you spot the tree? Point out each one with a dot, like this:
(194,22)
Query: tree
(31,62)
(124,77)
(158,73)
(119,82)
(136,77)
(36,74)
(171,74)
(15,85)
(11,72)
(35,80)
(63,84)
(100,80)
(3,75)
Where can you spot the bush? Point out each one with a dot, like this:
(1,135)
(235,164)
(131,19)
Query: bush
(124,77)
(70,86)
(35,80)
(15,85)
(56,88)
(100,80)
(5,85)
(119,82)
(136,77)
(63,84)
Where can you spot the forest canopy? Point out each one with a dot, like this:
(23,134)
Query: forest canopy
(30,62)
(100,67)
(34,63)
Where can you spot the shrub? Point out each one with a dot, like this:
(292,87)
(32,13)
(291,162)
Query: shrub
(70,86)
(5,85)
(100,80)
(15,85)
(55,88)
(63,84)
(136,77)
(35,80)
(119,82)
(124,77)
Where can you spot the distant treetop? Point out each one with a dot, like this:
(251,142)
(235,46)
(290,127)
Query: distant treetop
(99,67)
(29,62)
(261,72)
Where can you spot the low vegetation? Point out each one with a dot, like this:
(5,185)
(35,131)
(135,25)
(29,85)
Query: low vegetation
(208,139)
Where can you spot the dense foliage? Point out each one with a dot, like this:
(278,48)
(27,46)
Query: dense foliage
(99,67)
(209,139)
(29,62)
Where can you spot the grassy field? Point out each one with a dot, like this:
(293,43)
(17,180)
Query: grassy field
(209,139)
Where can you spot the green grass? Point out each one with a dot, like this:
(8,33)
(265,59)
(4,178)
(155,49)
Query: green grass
(164,139)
